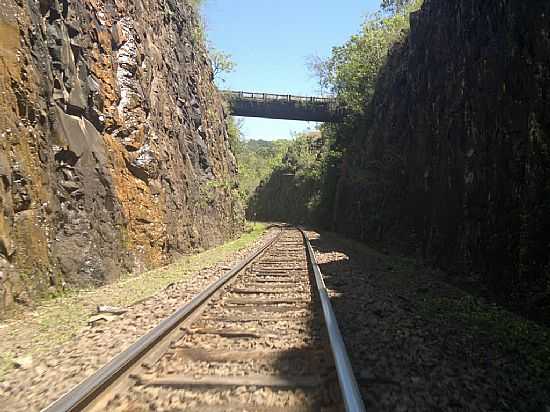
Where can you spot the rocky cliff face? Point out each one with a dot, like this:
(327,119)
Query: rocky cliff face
(452,160)
(113,150)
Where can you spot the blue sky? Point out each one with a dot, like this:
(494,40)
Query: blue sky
(270,41)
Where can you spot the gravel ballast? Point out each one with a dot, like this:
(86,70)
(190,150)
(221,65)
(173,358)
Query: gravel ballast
(48,375)
(417,343)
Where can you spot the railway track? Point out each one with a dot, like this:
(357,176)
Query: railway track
(262,338)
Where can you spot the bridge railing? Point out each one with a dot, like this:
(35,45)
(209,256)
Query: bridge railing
(278,97)
(284,106)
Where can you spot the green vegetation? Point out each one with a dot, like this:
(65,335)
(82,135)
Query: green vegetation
(256,159)
(297,181)
(221,62)
(282,176)
(233,133)
(302,186)
(303,175)
(57,320)
(394,6)
(529,341)
(352,70)
(293,191)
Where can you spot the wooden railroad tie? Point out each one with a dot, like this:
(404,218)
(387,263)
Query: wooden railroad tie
(266,308)
(231,333)
(274,301)
(261,291)
(201,355)
(256,318)
(264,381)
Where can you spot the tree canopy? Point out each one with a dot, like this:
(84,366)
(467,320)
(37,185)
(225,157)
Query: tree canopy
(351,71)
(221,63)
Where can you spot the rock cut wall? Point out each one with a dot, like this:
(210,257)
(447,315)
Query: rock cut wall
(452,160)
(114,154)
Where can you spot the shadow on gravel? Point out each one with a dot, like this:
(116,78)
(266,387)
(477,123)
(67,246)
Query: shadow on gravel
(313,359)
(419,344)
(330,399)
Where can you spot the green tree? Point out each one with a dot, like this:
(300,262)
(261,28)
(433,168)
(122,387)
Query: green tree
(299,184)
(352,70)
(256,159)
(234,134)
(293,191)
(221,63)
(320,69)
(394,6)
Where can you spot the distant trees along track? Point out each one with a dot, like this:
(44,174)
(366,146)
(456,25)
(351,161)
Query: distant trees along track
(252,340)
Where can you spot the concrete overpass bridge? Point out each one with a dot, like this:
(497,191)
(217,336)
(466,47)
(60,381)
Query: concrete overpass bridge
(284,106)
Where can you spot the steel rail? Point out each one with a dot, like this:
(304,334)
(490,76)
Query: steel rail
(84,393)
(348,385)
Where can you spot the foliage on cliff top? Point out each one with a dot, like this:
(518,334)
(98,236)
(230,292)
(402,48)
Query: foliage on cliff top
(221,62)
(301,187)
(293,191)
(352,70)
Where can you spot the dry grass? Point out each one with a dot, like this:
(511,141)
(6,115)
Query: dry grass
(55,321)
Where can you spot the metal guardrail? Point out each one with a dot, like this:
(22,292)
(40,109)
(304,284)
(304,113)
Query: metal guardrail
(278,97)
(348,385)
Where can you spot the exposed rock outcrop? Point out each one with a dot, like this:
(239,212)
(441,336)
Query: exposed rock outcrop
(113,150)
(452,160)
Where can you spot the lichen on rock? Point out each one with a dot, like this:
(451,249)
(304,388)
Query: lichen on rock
(110,125)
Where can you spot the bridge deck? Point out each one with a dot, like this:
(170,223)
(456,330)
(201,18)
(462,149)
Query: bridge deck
(284,106)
